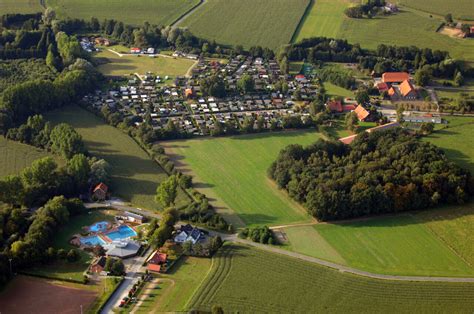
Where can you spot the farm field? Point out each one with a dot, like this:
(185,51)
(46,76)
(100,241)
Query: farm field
(234,170)
(15,156)
(177,287)
(33,295)
(461,9)
(134,175)
(267,23)
(20,6)
(135,12)
(406,28)
(241,277)
(125,65)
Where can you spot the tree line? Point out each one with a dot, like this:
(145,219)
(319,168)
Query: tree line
(381,172)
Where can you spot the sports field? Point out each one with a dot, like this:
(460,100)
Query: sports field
(15,156)
(409,27)
(460,9)
(242,277)
(176,287)
(127,64)
(134,175)
(267,23)
(136,12)
(20,6)
(234,170)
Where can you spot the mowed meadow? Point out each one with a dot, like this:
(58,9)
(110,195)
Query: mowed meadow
(134,175)
(20,6)
(135,12)
(234,171)
(460,9)
(267,23)
(406,28)
(241,277)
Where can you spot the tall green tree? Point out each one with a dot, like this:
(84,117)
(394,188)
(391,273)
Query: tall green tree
(167,191)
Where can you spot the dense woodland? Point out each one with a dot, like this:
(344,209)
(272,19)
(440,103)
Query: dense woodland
(382,172)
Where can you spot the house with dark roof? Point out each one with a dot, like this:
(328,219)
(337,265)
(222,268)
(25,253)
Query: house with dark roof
(99,193)
(188,233)
(157,262)
(98,265)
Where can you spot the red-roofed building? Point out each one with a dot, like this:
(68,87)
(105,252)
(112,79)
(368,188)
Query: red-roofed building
(135,50)
(189,93)
(361,112)
(347,108)
(407,90)
(382,87)
(392,92)
(348,139)
(100,192)
(157,262)
(395,77)
(334,105)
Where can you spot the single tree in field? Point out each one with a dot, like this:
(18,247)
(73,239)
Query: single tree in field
(459,79)
(167,191)
(362,96)
(246,84)
(448,18)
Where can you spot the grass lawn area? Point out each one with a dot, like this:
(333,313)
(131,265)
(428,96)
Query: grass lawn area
(134,175)
(234,170)
(295,67)
(393,245)
(461,9)
(409,27)
(20,6)
(136,12)
(456,140)
(241,278)
(125,65)
(177,287)
(334,90)
(15,156)
(267,23)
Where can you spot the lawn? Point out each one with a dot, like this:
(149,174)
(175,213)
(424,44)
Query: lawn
(113,65)
(177,287)
(20,6)
(267,23)
(409,27)
(134,175)
(136,12)
(456,140)
(461,9)
(15,156)
(334,90)
(241,278)
(399,245)
(234,171)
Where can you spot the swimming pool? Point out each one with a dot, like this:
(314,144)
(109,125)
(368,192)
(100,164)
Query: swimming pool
(99,226)
(92,241)
(122,232)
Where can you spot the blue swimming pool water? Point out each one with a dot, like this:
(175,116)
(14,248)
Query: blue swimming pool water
(92,241)
(99,226)
(123,232)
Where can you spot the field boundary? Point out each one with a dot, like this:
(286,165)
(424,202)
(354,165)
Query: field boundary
(298,28)
(185,14)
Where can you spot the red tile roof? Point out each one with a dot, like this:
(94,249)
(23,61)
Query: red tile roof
(362,114)
(382,87)
(101,186)
(346,108)
(153,267)
(335,105)
(157,258)
(395,77)
(406,88)
(348,139)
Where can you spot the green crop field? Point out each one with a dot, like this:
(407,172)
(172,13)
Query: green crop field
(460,9)
(15,156)
(234,170)
(409,27)
(136,12)
(20,6)
(242,277)
(267,23)
(119,66)
(134,175)
(177,286)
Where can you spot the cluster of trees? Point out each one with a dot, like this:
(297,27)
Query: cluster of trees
(17,71)
(114,266)
(159,233)
(258,234)
(465,28)
(197,249)
(368,9)
(380,172)
(26,238)
(22,21)
(337,77)
(201,212)
(20,101)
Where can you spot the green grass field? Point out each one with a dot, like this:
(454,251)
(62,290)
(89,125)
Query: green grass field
(234,170)
(15,156)
(334,90)
(409,27)
(125,65)
(136,12)
(460,9)
(248,280)
(268,23)
(177,287)
(134,175)
(20,6)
